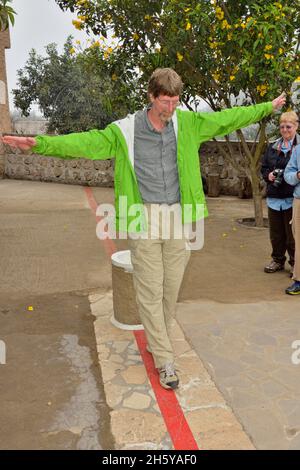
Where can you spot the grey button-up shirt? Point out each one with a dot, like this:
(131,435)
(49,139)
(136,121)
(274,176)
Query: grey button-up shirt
(155,161)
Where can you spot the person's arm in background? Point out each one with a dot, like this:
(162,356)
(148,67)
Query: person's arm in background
(209,125)
(266,171)
(292,170)
(95,144)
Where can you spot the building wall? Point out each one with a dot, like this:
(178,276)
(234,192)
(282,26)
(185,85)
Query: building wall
(5,122)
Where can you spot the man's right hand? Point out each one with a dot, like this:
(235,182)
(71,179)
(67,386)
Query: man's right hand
(23,143)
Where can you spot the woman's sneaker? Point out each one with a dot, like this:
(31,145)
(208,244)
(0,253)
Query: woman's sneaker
(167,376)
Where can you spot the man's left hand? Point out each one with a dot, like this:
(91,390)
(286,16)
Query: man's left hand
(279,101)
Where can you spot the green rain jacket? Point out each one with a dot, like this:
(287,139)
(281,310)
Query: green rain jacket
(117,141)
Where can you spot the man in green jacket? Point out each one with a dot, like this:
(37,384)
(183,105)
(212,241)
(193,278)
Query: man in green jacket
(156,167)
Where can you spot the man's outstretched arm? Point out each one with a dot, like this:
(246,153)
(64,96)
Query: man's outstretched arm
(209,125)
(95,144)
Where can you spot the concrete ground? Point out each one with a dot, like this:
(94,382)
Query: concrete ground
(51,388)
(234,334)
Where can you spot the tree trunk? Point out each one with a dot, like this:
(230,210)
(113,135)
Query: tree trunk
(257,200)
(254,167)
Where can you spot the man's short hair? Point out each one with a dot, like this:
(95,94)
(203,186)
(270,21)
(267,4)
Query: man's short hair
(165,82)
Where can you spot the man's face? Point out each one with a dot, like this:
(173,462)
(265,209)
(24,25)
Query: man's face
(164,106)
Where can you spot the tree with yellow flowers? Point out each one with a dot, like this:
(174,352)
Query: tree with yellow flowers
(227,52)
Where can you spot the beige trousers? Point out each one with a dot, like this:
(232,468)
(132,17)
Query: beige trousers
(296,233)
(158,268)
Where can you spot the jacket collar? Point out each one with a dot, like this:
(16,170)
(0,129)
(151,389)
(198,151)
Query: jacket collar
(275,145)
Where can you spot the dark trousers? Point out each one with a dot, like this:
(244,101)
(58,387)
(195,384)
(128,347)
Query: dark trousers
(281,235)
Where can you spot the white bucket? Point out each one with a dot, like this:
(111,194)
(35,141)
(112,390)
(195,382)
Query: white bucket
(126,316)
(122,259)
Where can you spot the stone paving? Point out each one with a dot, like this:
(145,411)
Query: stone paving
(136,421)
(247,349)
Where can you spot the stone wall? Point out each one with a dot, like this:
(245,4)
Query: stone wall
(100,172)
(58,170)
(232,181)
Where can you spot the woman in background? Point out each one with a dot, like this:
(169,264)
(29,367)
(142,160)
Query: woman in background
(280,193)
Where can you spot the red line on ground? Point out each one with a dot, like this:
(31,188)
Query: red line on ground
(177,426)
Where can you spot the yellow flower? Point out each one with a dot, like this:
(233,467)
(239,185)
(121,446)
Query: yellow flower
(278,5)
(260,35)
(187,9)
(81,17)
(135,36)
(225,24)
(109,50)
(243,25)
(147,17)
(297,79)
(216,76)
(77,24)
(213,45)
(219,13)
(179,56)
(72,50)
(262,89)
(269,56)
(77,42)
(268,47)
(232,77)
(30,308)
(229,36)
(188,26)
(114,77)
(280,50)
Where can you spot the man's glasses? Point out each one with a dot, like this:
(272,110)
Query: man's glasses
(285,127)
(174,104)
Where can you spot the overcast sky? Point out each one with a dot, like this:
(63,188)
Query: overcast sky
(38,23)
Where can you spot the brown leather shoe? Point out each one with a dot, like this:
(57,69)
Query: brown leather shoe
(273,267)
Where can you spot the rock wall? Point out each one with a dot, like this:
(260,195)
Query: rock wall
(58,170)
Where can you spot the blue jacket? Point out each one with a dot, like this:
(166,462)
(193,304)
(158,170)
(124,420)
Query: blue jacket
(290,173)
